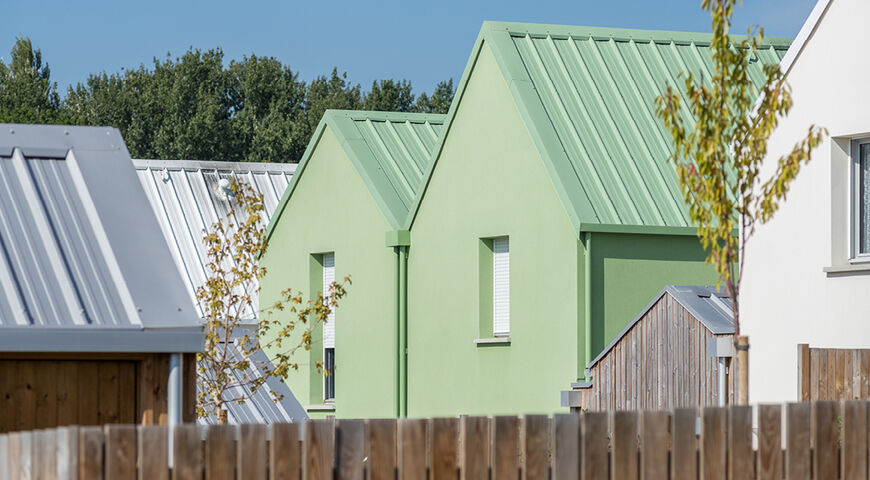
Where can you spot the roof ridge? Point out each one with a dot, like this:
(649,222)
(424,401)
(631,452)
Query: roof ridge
(619,34)
(385,115)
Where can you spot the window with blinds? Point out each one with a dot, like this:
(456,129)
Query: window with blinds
(328,329)
(501,287)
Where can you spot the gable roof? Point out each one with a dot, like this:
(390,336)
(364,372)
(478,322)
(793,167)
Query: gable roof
(587,97)
(391,151)
(707,304)
(804,35)
(82,264)
(186,198)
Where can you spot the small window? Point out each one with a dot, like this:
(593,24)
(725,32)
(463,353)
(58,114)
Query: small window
(861,201)
(501,287)
(328,330)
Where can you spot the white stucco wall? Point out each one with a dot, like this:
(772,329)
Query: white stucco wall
(787,297)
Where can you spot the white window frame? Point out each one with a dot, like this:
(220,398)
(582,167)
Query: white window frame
(500,298)
(328,276)
(856,255)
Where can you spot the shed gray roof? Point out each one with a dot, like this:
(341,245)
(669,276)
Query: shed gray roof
(82,264)
(707,304)
(185,197)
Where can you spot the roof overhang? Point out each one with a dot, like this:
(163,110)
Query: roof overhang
(102,340)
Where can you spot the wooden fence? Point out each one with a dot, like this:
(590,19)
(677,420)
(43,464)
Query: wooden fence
(833,373)
(824,440)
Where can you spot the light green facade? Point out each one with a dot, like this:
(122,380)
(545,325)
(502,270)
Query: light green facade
(332,211)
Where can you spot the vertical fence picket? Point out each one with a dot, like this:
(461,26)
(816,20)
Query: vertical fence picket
(713,443)
(443,460)
(26,456)
(350,449)
(4,456)
(14,456)
(593,446)
(654,441)
(317,450)
(412,448)
(220,452)
(187,454)
(382,463)
(90,453)
(153,447)
(623,455)
(474,457)
(825,443)
(769,464)
(284,462)
(566,446)
(797,454)
(854,451)
(740,453)
(120,451)
(684,444)
(505,448)
(45,460)
(535,443)
(251,452)
(67,448)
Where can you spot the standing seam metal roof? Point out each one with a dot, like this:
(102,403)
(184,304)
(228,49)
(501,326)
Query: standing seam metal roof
(587,96)
(80,253)
(391,151)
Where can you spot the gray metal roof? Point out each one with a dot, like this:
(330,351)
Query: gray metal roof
(260,406)
(186,199)
(707,304)
(82,263)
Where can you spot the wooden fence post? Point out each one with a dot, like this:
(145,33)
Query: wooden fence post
(803,371)
(742,347)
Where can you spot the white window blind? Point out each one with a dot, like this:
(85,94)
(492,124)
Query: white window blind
(328,278)
(501,287)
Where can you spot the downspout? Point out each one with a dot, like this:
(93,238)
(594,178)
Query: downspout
(174,396)
(397,318)
(587,304)
(403,331)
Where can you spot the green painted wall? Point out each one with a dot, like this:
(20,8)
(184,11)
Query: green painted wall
(490,181)
(332,211)
(629,270)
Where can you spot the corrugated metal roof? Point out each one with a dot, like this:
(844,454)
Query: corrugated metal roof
(75,268)
(707,304)
(186,199)
(392,152)
(261,406)
(587,96)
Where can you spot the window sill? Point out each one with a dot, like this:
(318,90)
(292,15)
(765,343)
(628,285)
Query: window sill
(323,407)
(856,268)
(492,342)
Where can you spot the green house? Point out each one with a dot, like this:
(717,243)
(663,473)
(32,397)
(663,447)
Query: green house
(358,179)
(548,217)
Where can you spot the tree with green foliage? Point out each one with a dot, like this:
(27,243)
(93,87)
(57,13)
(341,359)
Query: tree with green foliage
(389,96)
(27,94)
(720,129)
(439,101)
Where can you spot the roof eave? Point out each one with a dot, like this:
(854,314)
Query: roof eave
(102,340)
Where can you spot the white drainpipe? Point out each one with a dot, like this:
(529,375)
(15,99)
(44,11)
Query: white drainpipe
(174,396)
(722,383)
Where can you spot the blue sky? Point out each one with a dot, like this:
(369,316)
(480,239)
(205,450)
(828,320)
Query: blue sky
(423,42)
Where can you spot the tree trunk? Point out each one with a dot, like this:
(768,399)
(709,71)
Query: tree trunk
(222,416)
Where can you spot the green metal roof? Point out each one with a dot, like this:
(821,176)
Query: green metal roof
(391,151)
(587,96)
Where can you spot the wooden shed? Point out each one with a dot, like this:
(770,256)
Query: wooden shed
(670,356)
(95,323)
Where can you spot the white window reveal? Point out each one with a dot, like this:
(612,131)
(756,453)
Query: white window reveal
(328,330)
(861,205)
(501,287)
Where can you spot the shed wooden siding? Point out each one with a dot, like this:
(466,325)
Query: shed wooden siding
(50,390)
(660,363)
(833,373)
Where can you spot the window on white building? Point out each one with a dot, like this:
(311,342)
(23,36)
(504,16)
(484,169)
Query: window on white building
(861,201)
(328,331)
(501,287)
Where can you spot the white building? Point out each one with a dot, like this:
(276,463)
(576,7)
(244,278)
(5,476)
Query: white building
(807,272)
